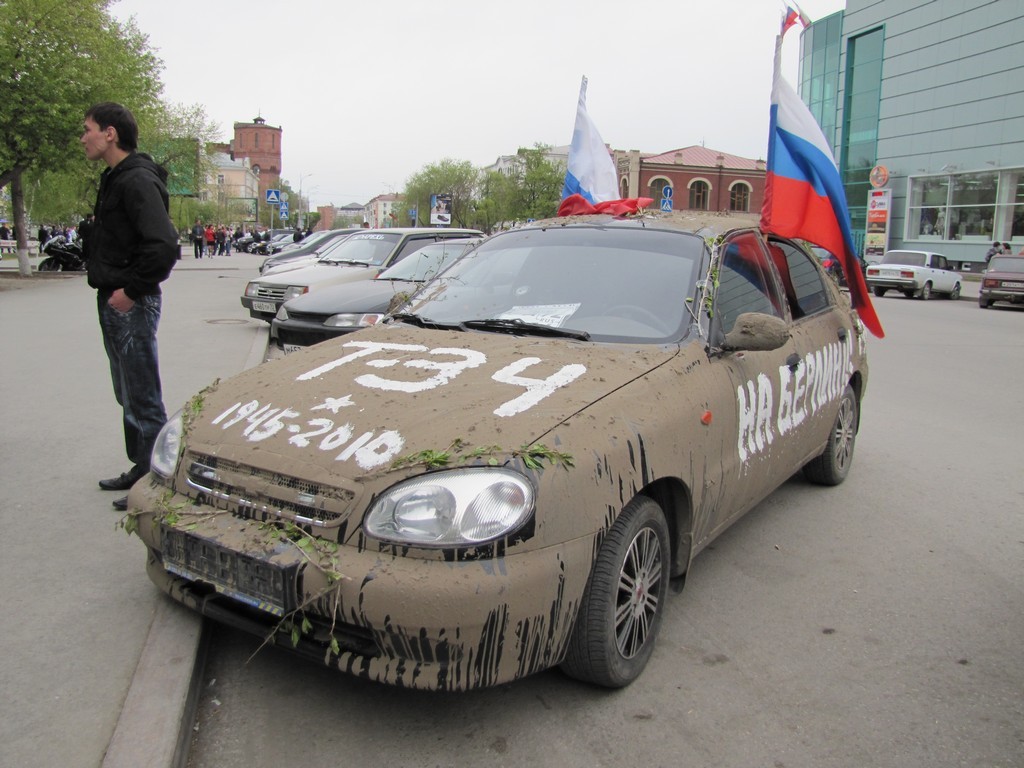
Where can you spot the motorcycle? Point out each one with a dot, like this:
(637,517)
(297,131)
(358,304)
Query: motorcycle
(62,256)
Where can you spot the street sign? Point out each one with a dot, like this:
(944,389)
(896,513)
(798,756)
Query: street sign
(666,203)
(273,196)
(283,213)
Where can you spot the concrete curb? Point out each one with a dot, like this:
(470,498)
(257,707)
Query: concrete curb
(155,726)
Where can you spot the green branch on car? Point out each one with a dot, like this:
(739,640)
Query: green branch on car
(533,456)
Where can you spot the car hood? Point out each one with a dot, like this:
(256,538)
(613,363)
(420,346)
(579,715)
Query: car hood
(351,407)
(319,273)
(365,296)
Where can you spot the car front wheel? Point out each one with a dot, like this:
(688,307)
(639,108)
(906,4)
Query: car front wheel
(833,464)
(622,607)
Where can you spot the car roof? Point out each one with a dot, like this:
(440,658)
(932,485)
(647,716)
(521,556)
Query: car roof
(704,223)
(421,230)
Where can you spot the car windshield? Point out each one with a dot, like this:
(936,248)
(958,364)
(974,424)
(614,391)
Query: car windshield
(906,258)
(426,262)
(365,247)
(619,284)
(1006,264)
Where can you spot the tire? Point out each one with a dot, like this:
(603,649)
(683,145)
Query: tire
(925,292)
(984,303)
(879,292)
(622,606)
(49,264)
(832,465)
(954,295)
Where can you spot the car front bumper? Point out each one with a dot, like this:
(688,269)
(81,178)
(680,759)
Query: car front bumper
(434,624)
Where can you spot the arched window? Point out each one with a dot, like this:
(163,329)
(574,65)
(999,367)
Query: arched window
(700,193)
(739,197)
(656,187)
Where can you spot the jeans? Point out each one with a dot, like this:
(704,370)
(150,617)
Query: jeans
(130,342)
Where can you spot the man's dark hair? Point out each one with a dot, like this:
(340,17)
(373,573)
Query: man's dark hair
(109,113)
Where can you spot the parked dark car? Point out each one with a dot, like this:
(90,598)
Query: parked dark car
(340,309)
(1002,281)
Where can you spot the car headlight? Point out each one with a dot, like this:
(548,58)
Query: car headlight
(353,321)
(453,508)
(252,289)
(282,313)
(167,447)
(295,290)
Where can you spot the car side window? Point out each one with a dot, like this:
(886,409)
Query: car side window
(805,291)
(412,244)
(745,282)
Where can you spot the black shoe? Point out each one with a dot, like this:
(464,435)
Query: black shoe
(121,505)
(124,481)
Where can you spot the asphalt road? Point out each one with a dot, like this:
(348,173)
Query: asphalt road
(874,624)
(77,606)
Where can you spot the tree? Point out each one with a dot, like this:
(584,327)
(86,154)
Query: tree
(455,177)
(541,188)
(57,58)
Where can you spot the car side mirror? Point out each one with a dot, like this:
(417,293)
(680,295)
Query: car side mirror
(756,332)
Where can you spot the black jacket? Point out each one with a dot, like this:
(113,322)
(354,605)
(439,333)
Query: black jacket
(133,244)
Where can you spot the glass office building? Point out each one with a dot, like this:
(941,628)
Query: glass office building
(933,92)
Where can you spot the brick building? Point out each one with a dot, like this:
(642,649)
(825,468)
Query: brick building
(261,144)
(701,178)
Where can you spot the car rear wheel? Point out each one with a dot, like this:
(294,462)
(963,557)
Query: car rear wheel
(879,292)
(833,464)
(954,295)
(984,303)
(926,292)
(622,607)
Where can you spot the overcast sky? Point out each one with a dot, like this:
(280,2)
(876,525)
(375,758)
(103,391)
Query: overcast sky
(369,93)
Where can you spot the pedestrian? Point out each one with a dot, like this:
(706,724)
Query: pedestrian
(995,250)
(210,237)
(5,234)
(44,235)
(219,240)
(133,247)
(85,233)
(198,235)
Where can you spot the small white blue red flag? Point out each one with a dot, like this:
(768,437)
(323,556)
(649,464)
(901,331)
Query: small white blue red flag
(591,171)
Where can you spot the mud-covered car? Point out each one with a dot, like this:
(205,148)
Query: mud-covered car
(510,472)
(1003,281)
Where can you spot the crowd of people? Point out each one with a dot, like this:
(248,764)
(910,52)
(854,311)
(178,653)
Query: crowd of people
(209,240)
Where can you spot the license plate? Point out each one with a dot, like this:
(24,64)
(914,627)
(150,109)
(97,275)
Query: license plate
(250,580)
(264,306)
(1012,284)
(289,348)
(890,273)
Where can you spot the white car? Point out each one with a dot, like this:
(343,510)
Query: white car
(913,273)
(360,256)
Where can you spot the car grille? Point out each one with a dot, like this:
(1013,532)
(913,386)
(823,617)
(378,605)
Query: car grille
(274,292)
(261,495)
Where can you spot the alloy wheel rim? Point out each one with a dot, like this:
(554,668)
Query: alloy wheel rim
(637,603)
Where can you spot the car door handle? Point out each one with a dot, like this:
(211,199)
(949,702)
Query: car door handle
(793,361)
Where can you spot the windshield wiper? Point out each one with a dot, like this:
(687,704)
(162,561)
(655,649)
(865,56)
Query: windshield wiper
(514,325)
(348,262)
(426,322)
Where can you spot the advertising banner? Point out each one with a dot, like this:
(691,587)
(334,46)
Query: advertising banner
(876,240)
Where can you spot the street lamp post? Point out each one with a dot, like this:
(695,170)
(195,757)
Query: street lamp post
(301,217)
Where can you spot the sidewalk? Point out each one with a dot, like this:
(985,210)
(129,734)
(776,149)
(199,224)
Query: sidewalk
(98,662)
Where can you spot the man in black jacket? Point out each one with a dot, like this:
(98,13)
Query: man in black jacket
(132,248)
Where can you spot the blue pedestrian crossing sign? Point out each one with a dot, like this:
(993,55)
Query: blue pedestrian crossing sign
(666,197)
(283,212)
(273,197)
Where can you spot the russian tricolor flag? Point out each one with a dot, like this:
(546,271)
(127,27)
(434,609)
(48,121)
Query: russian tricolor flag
(591,172)
(804,196)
